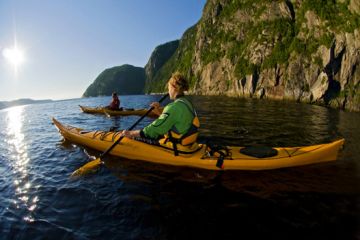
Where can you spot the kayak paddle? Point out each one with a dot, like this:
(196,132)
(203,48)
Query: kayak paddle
(91,166)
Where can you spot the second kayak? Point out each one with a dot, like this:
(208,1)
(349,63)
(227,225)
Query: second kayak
(127,112)
(109,112)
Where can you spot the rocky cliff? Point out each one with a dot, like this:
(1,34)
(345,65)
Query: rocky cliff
(158,58)
(302,50)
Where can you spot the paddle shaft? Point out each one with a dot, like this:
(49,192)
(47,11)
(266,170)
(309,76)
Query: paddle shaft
(132,127)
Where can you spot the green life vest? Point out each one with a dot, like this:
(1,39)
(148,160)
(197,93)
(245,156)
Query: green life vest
(187,139)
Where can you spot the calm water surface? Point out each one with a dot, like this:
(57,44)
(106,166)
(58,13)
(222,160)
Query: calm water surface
(139,200)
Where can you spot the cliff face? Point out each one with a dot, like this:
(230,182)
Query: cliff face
(125,80)
(158,58)
(301,50)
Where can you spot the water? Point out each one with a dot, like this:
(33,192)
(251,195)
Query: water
(139,200)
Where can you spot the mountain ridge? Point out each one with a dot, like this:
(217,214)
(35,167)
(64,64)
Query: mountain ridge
(125,80)
(21,101)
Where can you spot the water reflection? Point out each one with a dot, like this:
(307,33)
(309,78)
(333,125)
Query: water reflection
(19,160)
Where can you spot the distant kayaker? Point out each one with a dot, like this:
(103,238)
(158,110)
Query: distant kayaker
(115,103)
(177,126)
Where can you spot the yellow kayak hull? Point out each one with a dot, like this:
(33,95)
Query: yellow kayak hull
(138,112)
(136,150)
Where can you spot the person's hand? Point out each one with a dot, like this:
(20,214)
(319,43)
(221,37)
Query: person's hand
(155,105)
(130,134)
(157,108)
(126,133)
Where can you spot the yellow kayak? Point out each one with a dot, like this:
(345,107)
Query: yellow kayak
(206,157)
(108,112)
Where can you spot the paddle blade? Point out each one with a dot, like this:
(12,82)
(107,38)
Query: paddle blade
(87,168)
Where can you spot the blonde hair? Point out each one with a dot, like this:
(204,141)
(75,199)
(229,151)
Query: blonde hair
(179,82)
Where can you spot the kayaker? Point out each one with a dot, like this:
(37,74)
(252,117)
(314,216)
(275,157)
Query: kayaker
(115,103)
(177,126)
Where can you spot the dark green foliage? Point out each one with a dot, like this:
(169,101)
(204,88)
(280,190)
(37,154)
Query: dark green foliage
(285,31)
(250,5)
(125,80)
(159,57)
(336,14)
(306,87)
(318,61)
(244,67)
(187,44)
(180,61)
(351,90)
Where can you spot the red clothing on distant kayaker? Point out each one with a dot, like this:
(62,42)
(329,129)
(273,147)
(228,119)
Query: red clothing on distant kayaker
(115,103)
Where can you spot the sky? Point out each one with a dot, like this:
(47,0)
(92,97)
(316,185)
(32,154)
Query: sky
(62,46)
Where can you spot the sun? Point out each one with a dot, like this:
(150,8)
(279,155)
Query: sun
(14,55)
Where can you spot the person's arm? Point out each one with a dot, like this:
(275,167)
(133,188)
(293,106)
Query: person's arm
(158,127)
(162,124)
